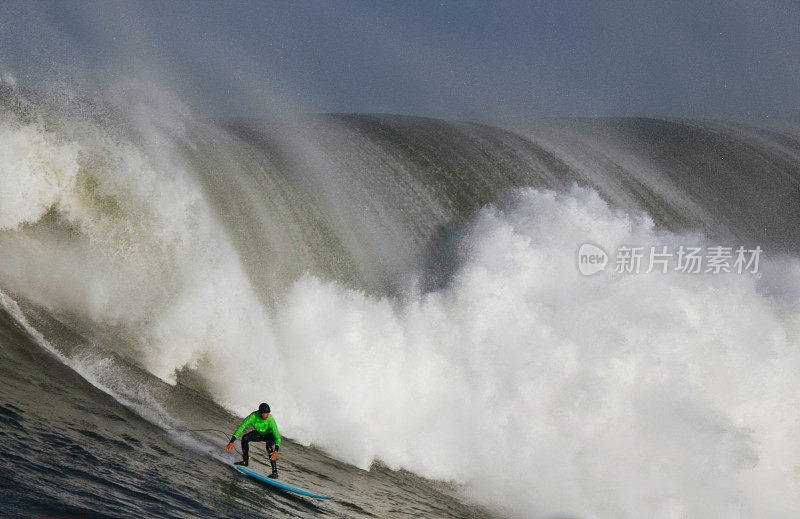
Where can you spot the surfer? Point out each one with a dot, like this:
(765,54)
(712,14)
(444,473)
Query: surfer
(265,430)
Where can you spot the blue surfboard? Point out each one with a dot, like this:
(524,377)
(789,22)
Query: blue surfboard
(275,483)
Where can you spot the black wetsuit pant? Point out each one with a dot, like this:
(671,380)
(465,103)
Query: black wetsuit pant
(255,436)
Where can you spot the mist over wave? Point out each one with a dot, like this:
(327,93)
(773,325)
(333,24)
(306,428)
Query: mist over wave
(406,290)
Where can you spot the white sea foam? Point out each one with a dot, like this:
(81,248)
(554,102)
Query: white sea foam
(36,170)
(134,246)
(554,394)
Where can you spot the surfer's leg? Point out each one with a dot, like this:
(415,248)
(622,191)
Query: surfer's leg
(246,439)
(272,463)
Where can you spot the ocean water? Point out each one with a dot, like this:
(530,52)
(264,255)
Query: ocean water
(405,294)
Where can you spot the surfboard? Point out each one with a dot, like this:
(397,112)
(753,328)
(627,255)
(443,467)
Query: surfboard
(278,484)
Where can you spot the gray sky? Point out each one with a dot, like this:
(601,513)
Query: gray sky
(464,60)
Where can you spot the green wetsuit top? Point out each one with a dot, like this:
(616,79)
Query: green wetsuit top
(260,425)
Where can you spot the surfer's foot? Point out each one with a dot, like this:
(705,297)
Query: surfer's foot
(274,475)
(243,463)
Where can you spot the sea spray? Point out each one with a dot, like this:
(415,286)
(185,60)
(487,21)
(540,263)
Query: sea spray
(546,392)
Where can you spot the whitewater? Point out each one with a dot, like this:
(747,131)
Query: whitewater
(405,293)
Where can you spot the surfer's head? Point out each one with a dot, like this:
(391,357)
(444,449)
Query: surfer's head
(263,410)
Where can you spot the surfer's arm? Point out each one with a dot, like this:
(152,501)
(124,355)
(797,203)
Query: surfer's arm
(247,421)
(274,428)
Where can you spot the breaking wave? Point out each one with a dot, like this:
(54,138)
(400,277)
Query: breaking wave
(406,290)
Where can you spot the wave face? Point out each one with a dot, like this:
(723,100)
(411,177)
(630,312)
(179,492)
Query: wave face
(405,290)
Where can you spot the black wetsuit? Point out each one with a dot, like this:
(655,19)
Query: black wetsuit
(256,436)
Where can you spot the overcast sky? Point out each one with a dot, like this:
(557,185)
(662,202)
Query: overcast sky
(463,60)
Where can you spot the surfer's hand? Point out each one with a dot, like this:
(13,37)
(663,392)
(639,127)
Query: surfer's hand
(229,447)
(274,455)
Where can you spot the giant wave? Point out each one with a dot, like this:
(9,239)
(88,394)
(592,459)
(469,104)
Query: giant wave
(406,289)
